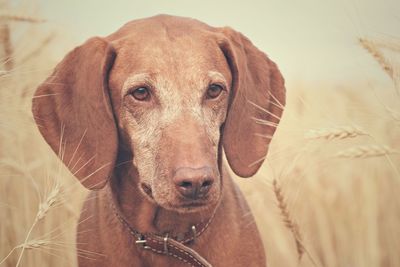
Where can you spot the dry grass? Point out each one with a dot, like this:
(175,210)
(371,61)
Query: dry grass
(324,211)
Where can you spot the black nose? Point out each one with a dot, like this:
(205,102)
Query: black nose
(193,183)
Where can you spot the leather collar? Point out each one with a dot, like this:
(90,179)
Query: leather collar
(174,245)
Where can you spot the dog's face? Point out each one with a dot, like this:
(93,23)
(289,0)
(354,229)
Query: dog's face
(170,104)
(172,92)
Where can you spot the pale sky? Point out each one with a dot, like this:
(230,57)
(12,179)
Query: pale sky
(310,40)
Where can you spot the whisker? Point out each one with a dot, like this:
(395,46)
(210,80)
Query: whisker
(50,253)
(53,233)
(85,219)
(82,255)
(94,185)
(64,148)
(278,103)
(247,214)
(57,246)
(249,223)
(87,162)
(88,252)
(265,122)
(98,169)
(40,96)
(61,138)
(53,83)
(263,109)
(77,147)
(76,163)
(267,136)
(257,161)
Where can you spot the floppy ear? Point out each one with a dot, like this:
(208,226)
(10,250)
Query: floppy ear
(256,104)
(72,109)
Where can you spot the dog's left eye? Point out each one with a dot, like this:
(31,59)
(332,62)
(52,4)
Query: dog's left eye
(141,93)
(214,90)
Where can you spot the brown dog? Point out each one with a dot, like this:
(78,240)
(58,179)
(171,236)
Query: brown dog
(143,114)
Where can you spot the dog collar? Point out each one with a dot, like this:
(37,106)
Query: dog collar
(169,245)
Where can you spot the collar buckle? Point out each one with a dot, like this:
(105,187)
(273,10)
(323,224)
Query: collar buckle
(194,232)
(142,242)
(165,239)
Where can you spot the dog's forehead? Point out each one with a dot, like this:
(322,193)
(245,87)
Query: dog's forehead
(181,59)
(160,25)
(174,49)
(178,56)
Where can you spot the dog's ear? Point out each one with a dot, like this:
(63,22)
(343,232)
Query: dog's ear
(256,103)
(73,111)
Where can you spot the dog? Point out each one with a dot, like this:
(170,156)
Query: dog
(143,118)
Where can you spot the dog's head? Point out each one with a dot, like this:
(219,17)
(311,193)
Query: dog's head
(171,92)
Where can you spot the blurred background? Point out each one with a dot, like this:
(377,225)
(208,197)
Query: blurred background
(329,192)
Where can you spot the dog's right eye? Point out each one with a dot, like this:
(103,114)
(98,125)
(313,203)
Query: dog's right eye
(141,93)
(214,90)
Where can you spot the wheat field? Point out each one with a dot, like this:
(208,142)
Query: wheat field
(328,194)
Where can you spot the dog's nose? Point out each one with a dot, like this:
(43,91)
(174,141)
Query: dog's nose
(193,183)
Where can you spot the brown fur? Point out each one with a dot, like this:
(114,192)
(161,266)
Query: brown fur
(140,146)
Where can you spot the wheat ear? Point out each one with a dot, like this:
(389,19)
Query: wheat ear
(19,17)
(289,223)
(292,226)
(391,45)
(373,50)
(366,151)
(393,73)
(34,244)
(44,207)
(341,132)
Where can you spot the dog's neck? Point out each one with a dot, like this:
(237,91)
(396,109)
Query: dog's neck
(145,215)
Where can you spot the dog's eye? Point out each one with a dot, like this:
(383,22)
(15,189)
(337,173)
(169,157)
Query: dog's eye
(141,93)
(214,90)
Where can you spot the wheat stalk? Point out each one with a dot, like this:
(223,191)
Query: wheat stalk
(5,16)
(38,49)
(366,151)
(341,132)
(5,40)
(292,226)
(393,113)
(32,244)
